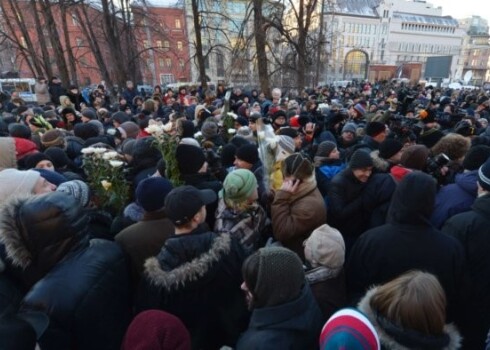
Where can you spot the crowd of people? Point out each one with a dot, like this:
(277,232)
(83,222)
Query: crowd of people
(331,218)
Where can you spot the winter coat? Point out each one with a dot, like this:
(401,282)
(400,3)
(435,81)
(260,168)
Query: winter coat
(328,289)
(325,172)
(81,285)
(250,227)
(407,242)
(455,198)
(472,229)
(377,197)
(345,206)
(294,325)
(42,94)
(295,216)
(197,277)
(381,165)
(394,337)
(144,239)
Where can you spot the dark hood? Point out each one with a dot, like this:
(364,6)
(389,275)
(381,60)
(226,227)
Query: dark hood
(467,182)
(413,200)
(39,231)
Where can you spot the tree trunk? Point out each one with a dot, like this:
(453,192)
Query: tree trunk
(260,45)
(199,53)
(55,40)
(48,70)
(69,50)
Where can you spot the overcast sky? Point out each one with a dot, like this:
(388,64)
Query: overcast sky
(456,8)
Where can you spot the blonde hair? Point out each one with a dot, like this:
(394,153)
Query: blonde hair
(415,300)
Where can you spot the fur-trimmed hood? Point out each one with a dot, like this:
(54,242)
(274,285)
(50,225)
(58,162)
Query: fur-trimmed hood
(187,272)
(389,342)
(379,163)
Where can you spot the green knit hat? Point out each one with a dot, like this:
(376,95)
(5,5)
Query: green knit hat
(238,186)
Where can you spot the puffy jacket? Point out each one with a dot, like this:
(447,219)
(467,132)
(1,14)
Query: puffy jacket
(81,285)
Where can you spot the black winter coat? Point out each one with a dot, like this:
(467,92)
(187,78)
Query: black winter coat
(197,277)
(472,230)
(295,325)
(407,242)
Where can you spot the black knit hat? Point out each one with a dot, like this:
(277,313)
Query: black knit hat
(288,132)
(228,155)
(484,176)
(280,276)
(151,193)
(32,160)
(325,148)
(360,159)
(85,130)
(189,159)
(19,130)
(375,128)
(476,157)
(248,153)
(389,147)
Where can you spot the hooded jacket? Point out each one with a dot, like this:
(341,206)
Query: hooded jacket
(82,286)
(471,229)
(197,277)
(394,337)
(406,242)
(455,198)
(293,325)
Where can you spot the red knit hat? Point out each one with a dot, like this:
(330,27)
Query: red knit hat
(294,122)
(24,147)
(154,330)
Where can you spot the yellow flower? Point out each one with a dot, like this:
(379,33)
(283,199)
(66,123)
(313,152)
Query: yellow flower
(106,184)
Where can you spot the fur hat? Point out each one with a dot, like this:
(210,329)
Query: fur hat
(54,137)
(298,166)
(129,130)
(375,128)
(248,153)
(17,182)
(325,148)
(325,247)
(151,193)
(389,147)
(189,159)
(209,129)
(280,276)
(483,176)
(77,189)
(415,157)
(476,157)
(349,329)
(360,159)
(238,186)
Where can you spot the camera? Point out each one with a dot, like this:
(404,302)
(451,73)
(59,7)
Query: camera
(435,164)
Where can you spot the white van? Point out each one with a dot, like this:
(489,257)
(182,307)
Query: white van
(25,87)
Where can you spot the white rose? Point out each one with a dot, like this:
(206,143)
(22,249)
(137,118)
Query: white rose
(231,131)
(197,134)
(233,115)
(99,150)
(153,128)
(88,150)
(168,127)
(110,155)
(116,163)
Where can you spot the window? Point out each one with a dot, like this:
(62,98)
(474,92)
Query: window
(178,25)
(181,63)
(159,44)
(74,20)
(79,42)
(146,44)
(166,79)
(83,62)
(180,46)
(161,62)
(168,62)
(166,44)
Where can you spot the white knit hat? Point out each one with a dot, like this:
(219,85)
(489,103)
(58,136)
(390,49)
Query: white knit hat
(17,182)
